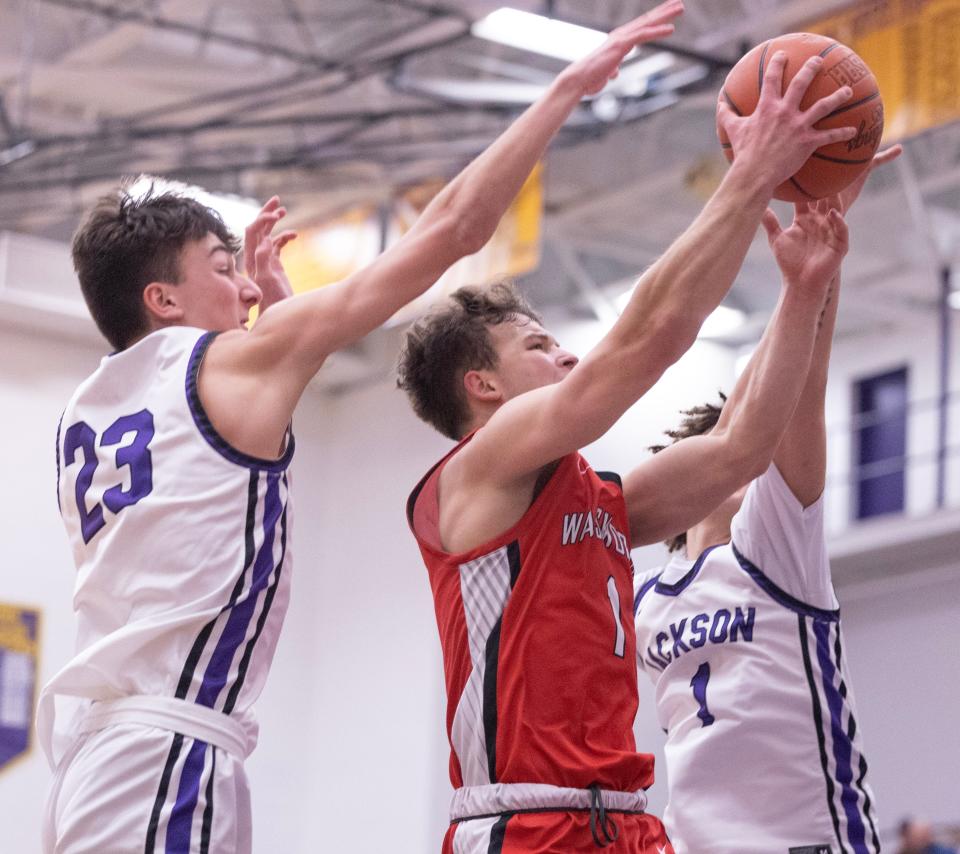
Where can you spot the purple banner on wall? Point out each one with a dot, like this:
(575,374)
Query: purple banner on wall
(19,646)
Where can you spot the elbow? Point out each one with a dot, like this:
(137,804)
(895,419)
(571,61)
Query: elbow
(747,457)
(463,233)
(672,334)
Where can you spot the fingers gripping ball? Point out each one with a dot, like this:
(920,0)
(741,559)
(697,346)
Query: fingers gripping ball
(831,167)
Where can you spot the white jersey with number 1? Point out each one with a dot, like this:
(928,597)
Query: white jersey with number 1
(745,651)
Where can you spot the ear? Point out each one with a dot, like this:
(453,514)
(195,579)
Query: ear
(480,385)
(162,302)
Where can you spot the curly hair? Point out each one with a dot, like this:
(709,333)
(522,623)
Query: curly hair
(128,241)
(696,421)
(441,347)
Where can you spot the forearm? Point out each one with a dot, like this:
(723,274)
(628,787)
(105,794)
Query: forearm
(766,394)
(674,297)
(479,196)
(801,456)
(277,292)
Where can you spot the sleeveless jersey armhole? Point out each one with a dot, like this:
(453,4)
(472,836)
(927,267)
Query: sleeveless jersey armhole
(209,432)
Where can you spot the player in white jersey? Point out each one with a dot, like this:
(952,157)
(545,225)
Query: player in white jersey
(740,634)
(173,484)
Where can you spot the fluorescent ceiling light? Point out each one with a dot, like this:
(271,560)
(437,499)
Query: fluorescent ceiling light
(236,211)
(722,321)
(527,31)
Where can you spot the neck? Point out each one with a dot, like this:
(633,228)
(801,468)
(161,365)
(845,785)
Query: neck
(712,531)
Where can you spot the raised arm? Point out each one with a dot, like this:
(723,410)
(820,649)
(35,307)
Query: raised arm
(274,362)
(802,455)
(671,299)
(685,482)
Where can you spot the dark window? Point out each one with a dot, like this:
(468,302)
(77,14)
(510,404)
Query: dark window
(880,443)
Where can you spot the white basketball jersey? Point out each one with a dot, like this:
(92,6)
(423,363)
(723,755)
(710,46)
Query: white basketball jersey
(745,651)
(181,542)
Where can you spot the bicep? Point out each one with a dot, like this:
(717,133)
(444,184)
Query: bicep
(678,487)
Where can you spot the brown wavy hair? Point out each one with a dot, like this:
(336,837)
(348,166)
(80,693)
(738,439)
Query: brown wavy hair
(125,243)
(696,421)
(454,338)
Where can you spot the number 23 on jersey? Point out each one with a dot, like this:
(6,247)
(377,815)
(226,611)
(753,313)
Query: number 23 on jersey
(80,443)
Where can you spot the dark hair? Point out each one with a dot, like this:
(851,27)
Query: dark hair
(449,341)
(128,241)
(696,421)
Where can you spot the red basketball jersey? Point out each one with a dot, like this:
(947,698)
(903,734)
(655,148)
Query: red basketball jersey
(538,642)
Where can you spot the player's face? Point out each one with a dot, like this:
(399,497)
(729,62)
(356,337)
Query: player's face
(214,294)
(528,357)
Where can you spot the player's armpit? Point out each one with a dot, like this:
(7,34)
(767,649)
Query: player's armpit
(682,484)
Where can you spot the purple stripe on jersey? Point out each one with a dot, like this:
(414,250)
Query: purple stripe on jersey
(206,428)
(842,747)
(238,621)
(677,587)
(643,591)
(59,427)
(181,819)
(780,595)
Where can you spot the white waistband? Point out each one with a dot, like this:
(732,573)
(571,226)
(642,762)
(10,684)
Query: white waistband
(475,801)
(190,719)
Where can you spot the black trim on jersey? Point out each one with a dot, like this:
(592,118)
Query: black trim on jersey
(262,619)
(415,494)
(190,666)
(818,725)
(781,596)
(175,747)
(492,658)
(208,809)
(492,654)
(851,733)
(610,477)
(677,587)
(209,432)
(498,834)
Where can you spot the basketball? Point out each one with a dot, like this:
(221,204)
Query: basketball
(831,167)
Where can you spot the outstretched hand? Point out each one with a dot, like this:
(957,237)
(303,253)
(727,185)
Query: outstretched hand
(261,253)
(810,250)
(594,71)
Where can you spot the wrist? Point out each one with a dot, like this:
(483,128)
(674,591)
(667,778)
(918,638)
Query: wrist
(569,85)
(756,186)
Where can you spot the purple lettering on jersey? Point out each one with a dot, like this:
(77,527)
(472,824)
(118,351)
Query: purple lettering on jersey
(698,628)
(699,685)
(136,456)
(718,631)
(676,630)
(80,436)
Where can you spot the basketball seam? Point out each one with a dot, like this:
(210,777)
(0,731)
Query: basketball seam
(763,57)
(849,161)
(796,184)
(827,50)
(852,106)
(729,100)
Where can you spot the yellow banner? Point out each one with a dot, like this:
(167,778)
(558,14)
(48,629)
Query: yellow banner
(913,49)
(334,250)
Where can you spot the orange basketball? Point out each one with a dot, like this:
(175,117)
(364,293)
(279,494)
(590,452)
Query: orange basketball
(831,167)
